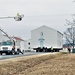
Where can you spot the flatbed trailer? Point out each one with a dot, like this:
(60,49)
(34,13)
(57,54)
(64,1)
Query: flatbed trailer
(45,49)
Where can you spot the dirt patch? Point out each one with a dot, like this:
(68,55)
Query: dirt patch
(50,64)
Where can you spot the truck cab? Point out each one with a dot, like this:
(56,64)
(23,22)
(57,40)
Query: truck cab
(6,47)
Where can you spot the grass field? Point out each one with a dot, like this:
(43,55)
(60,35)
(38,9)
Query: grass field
(56,64)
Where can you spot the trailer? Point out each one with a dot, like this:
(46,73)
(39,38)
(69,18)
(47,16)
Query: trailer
(45,49)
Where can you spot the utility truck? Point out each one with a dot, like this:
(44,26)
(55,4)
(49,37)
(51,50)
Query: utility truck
(10,46)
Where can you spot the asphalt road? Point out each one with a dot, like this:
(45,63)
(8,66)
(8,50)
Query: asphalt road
(2,57)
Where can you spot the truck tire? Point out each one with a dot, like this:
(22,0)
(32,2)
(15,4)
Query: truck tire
(36,50)
(1,53)
(12,52)
(6,53)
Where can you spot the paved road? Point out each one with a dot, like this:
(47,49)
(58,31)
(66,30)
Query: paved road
(2,57)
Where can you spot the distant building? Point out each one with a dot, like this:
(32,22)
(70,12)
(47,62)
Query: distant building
(19,42)
(65,46)
(28,45)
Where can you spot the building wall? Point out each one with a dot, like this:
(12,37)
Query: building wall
(22,45)
(49,37)
(28,44)
(59,39)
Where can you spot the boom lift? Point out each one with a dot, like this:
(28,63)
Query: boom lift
(8,46)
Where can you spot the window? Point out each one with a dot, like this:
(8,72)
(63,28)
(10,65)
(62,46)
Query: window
(41,34)
(7,43)
(29,43)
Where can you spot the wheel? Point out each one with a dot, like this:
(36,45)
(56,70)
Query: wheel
(12,53)
(0,53)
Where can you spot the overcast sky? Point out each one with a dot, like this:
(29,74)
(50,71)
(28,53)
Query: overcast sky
(52,13)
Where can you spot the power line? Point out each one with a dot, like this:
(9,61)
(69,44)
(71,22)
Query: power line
(50,15)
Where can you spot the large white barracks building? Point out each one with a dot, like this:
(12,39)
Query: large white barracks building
(45,37)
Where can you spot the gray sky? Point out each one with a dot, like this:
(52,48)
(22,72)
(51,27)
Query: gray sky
(52,13)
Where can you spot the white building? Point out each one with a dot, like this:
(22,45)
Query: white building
(46,37)
(19,42)
(28,45)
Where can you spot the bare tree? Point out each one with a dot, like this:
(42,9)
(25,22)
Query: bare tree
(70,33)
